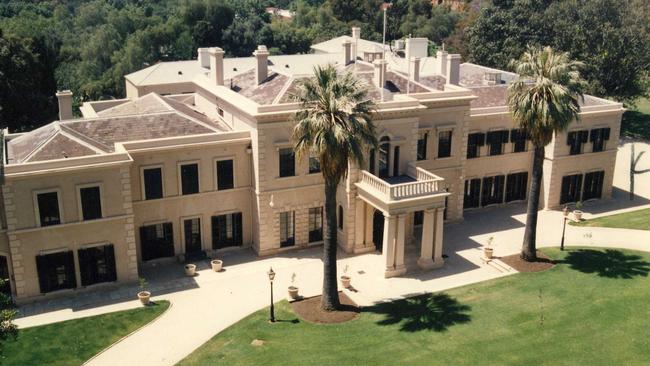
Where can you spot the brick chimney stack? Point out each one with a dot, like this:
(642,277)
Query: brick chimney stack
(262,67)
(65,104)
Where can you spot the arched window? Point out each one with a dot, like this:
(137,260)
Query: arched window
(340,217)
(384,157)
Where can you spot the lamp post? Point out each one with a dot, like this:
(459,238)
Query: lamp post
(566,216)
(272,311)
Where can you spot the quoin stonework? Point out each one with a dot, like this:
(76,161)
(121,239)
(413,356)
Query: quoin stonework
(197,159)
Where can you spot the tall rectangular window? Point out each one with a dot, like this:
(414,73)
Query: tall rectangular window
(314,163)
(474,143)
(571,186)
(492,191)
(287,229)
(495,140)
(225,175)
(422,146)
(575,140)
(192,235)
(157,241)
(91,203)
(48,208)
(472,193)
(287,162)
(56,271)
(227,230)
(598,137)
(516,184)
(593,187)
(97,264)
(153,186)
(189,178)
(518,139)
(396,161)
(315,224)
(444,144)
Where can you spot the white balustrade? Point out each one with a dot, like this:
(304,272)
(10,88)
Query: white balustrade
(426,183)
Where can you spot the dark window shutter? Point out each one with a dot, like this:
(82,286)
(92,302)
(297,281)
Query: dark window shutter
(606,133)
(110,262)
(571,136)
(169,239)
(504,136)
(480,139)
(499,181)
(85,267)
(584,135)
(71,279)
(237,228)
(43,269)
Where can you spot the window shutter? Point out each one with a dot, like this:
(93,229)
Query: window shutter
(606,133)
(43,269)
(584,135)
(514,135)
(237,228)
(169,239)
(593,135)
(480,139)
(499,181)
(571,137)
(84,267)
(71,279)
(109,250)
(504,136)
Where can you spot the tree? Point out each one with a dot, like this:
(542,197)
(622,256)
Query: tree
(7,314)
(334,123)
(544,100)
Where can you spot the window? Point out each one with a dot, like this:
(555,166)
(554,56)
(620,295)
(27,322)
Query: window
(4,276)
(192,235)
(418,218)
(516,184)
(495,141)
(97,265)
(492,192)
(593,185)
(56,271)
(396,161)
(598,138)
(444,144)
(287,162)
(371,162)
(474,143)
(153,185)
(518,139)
(422,146)
(189,178)
(48,208)
(384,157)
(575,140)
(157,241)
(571,185)
(472,193)
(91,203)
(287,229)
(225,176)
(340,221)
(227,230)
(315,224)
(314,163)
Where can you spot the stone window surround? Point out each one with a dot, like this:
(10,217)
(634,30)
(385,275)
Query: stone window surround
(59,198)
(78,188)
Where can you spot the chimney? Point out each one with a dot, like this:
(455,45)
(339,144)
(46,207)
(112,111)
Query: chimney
(262,67)
(356,32)
(453,69)
(379,77)
(65,104)
(442,62)
(415,68)
(347,52)
(216,65)
(204,57)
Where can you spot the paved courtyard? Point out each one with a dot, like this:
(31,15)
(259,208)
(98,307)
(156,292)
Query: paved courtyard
(208,303)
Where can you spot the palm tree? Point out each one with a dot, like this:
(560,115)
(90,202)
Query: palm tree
(544,100)
(333,123)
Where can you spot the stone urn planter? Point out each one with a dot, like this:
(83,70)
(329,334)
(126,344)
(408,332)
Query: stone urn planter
(293,292)
(190,270)
(217,265)
(345,281)
(577,215)
(144,297)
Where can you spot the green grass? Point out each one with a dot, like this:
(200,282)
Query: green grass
(639,220)
(74,341)
(593,310)
(636,121)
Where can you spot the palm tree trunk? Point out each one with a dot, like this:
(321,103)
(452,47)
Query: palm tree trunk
(528,249)
(330,298)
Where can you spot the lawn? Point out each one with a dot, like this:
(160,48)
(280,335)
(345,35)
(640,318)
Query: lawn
(74,341)
(636,121)
(591,309)
(639,220)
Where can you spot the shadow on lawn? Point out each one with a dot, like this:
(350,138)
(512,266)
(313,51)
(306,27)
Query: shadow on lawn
(435,312)
(608,263)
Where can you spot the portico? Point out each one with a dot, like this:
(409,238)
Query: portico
(398,200)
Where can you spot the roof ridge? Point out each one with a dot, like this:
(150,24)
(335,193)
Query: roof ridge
(40,146)
(78,140)
(284,90)
(80,135)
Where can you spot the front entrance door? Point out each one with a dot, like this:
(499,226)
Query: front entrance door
(192,233)
(378,230)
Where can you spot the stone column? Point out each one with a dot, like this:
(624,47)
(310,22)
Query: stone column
(388,247)
(369,219)
(426,250)
(399,244)
(437,248)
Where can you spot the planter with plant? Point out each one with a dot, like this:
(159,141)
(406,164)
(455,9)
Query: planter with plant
(217,265)
(488,250)
(577,213)
(190,269)
(345,279)
(143,295)
(293,290)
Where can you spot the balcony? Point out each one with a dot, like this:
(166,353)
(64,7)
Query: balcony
(417,188)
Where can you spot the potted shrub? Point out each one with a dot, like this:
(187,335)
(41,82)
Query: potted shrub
(143,295)
(577,213)
(217,264)
(190,269)
(293,290)
(488,251)
(345,279)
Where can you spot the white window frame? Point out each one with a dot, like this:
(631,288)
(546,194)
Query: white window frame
(216,172)
(101,198)
(143,196)
(59,202)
